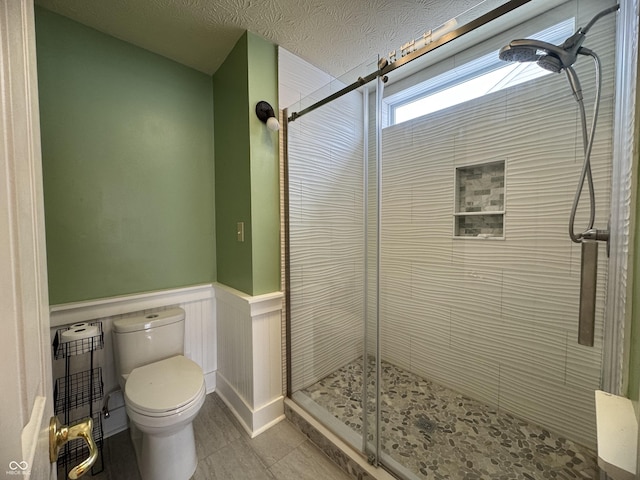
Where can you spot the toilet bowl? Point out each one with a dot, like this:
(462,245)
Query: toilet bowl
(161,400)
(163,392)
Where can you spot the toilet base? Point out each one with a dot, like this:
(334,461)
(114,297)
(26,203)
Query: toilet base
(165,457)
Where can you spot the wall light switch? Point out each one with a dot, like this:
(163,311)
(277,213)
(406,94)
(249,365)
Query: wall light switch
(240,231)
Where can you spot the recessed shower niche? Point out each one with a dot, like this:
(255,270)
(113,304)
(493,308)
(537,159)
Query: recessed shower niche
(480,201)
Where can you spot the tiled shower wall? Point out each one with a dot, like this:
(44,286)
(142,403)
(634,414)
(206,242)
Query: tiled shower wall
(327,236)
(498,319)
(297,80)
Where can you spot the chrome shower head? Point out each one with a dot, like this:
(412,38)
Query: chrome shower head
(548,56)
(514,53)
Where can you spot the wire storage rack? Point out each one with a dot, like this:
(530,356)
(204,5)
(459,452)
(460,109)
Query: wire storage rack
(76,393)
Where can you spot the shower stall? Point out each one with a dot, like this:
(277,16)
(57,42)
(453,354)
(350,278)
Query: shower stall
(434,292)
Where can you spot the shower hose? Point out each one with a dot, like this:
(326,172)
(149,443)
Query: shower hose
(587,140)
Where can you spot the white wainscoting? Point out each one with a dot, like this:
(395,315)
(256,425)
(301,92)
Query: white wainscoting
(249,374)
(199,305)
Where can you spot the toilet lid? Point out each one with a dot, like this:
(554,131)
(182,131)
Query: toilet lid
(165,385)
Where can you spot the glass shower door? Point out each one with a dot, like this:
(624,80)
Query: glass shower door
(332,295)
(434,289)
(481,372)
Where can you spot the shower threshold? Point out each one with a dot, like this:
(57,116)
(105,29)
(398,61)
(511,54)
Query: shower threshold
(431,432)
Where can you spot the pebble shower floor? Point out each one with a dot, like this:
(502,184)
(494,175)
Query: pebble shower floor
(441,434)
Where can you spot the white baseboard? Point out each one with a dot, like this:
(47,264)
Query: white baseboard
(254,421)
(267,416)
(210,382)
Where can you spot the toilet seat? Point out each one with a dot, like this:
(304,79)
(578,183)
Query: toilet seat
(164,388)
(177,414)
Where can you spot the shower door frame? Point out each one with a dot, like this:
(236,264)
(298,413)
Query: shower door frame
(618,330)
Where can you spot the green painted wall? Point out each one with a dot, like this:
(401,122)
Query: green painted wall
(233,169)
(128,165)
(247,168)
(265,195)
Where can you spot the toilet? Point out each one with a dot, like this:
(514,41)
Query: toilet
(163,392)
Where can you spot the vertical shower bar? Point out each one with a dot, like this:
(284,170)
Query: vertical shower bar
(588,281)
(287,247)
(379,92)
(365,212)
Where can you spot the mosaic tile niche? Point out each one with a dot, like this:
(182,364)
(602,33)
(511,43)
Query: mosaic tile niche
(479,209)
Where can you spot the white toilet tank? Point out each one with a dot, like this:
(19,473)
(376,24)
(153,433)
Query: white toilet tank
(147,338)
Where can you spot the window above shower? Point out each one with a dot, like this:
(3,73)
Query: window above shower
(480,201)
(474,79)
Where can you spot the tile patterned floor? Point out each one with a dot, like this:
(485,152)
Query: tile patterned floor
(440,434)
(225,452)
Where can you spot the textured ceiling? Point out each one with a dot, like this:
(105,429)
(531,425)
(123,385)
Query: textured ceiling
(334,35)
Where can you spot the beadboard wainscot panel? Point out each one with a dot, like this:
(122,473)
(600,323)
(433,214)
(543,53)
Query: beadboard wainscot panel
(200,346)
(249,375)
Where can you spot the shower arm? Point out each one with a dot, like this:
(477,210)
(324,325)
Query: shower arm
(598,16)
